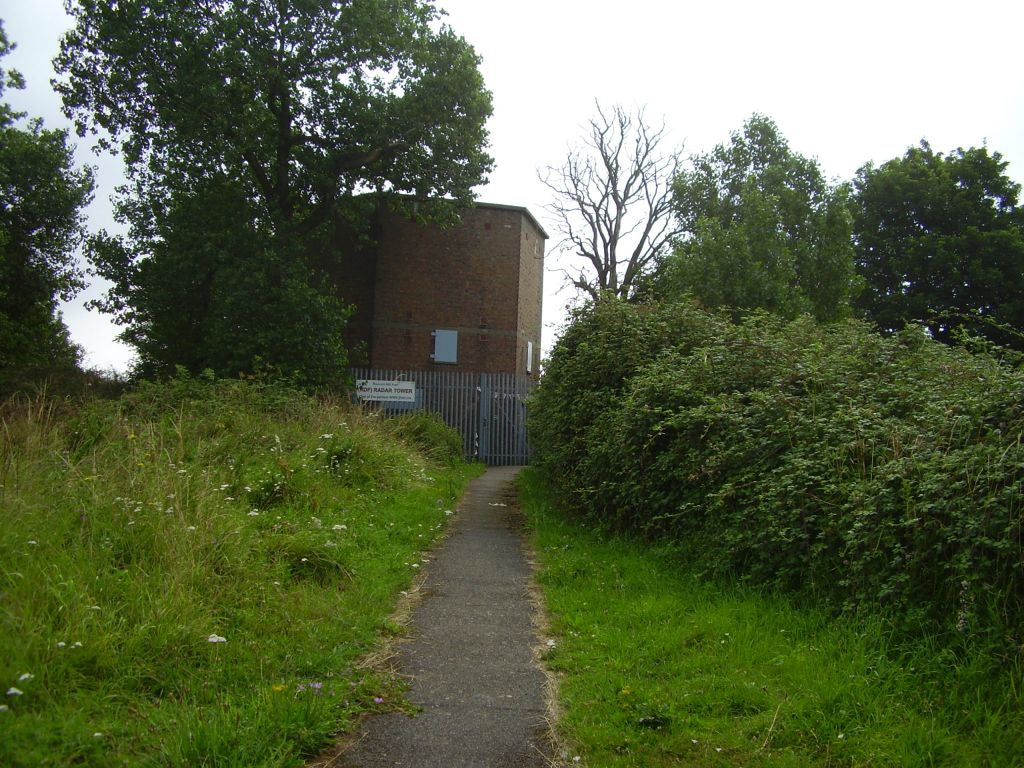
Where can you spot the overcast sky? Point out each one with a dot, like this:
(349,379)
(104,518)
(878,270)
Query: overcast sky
(846,83)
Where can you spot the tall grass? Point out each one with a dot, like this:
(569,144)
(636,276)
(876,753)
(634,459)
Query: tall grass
(190,574)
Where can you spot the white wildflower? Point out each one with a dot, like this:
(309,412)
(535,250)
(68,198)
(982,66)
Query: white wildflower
(12,691)
(216,639)
(25,676)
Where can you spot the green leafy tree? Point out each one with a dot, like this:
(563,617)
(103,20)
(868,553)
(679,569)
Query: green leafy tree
(761,229)
(940,240)
(41,198)
(249,129)
(213,293)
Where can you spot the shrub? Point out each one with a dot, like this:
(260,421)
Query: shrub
(602,347)
(822,460)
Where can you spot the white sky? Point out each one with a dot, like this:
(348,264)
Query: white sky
(846,83)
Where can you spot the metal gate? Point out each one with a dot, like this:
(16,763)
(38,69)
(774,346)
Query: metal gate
(488,409)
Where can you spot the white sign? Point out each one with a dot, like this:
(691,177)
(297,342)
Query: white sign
(386,391)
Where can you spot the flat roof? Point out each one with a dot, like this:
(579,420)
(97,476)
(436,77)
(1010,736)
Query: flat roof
(517,208)
(500,207)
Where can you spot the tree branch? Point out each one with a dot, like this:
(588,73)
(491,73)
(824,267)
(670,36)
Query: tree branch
(612,197)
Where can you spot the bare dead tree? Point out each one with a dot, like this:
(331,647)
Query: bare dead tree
(613,202)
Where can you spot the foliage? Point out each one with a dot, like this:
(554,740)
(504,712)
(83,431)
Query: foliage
(761,229)
(214,293)
(940,241)
(828,461)
(613,202)
(63,383)
(41,197)
(299,101)
(600,350)
(658,666)
(247,146)
(428,433)
(135,530)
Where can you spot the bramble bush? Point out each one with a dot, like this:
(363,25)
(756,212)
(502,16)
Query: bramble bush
(600,350)
(826,461)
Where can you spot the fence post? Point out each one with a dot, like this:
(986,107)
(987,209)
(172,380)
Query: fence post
(485,418)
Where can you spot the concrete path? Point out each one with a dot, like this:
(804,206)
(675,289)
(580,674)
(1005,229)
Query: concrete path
(470,659)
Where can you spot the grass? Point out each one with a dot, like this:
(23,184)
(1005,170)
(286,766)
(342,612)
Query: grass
(190,575)
(660,668)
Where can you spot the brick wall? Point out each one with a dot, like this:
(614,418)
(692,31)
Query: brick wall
(531,291)
(468,279)
(482,278)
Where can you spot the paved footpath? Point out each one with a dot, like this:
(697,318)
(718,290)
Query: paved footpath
(470,659)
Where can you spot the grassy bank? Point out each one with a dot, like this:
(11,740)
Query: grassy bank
(659,668)
(189,575)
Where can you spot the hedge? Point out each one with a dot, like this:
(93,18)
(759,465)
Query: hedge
(826,461)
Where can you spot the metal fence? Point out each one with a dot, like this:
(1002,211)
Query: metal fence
(488,409)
